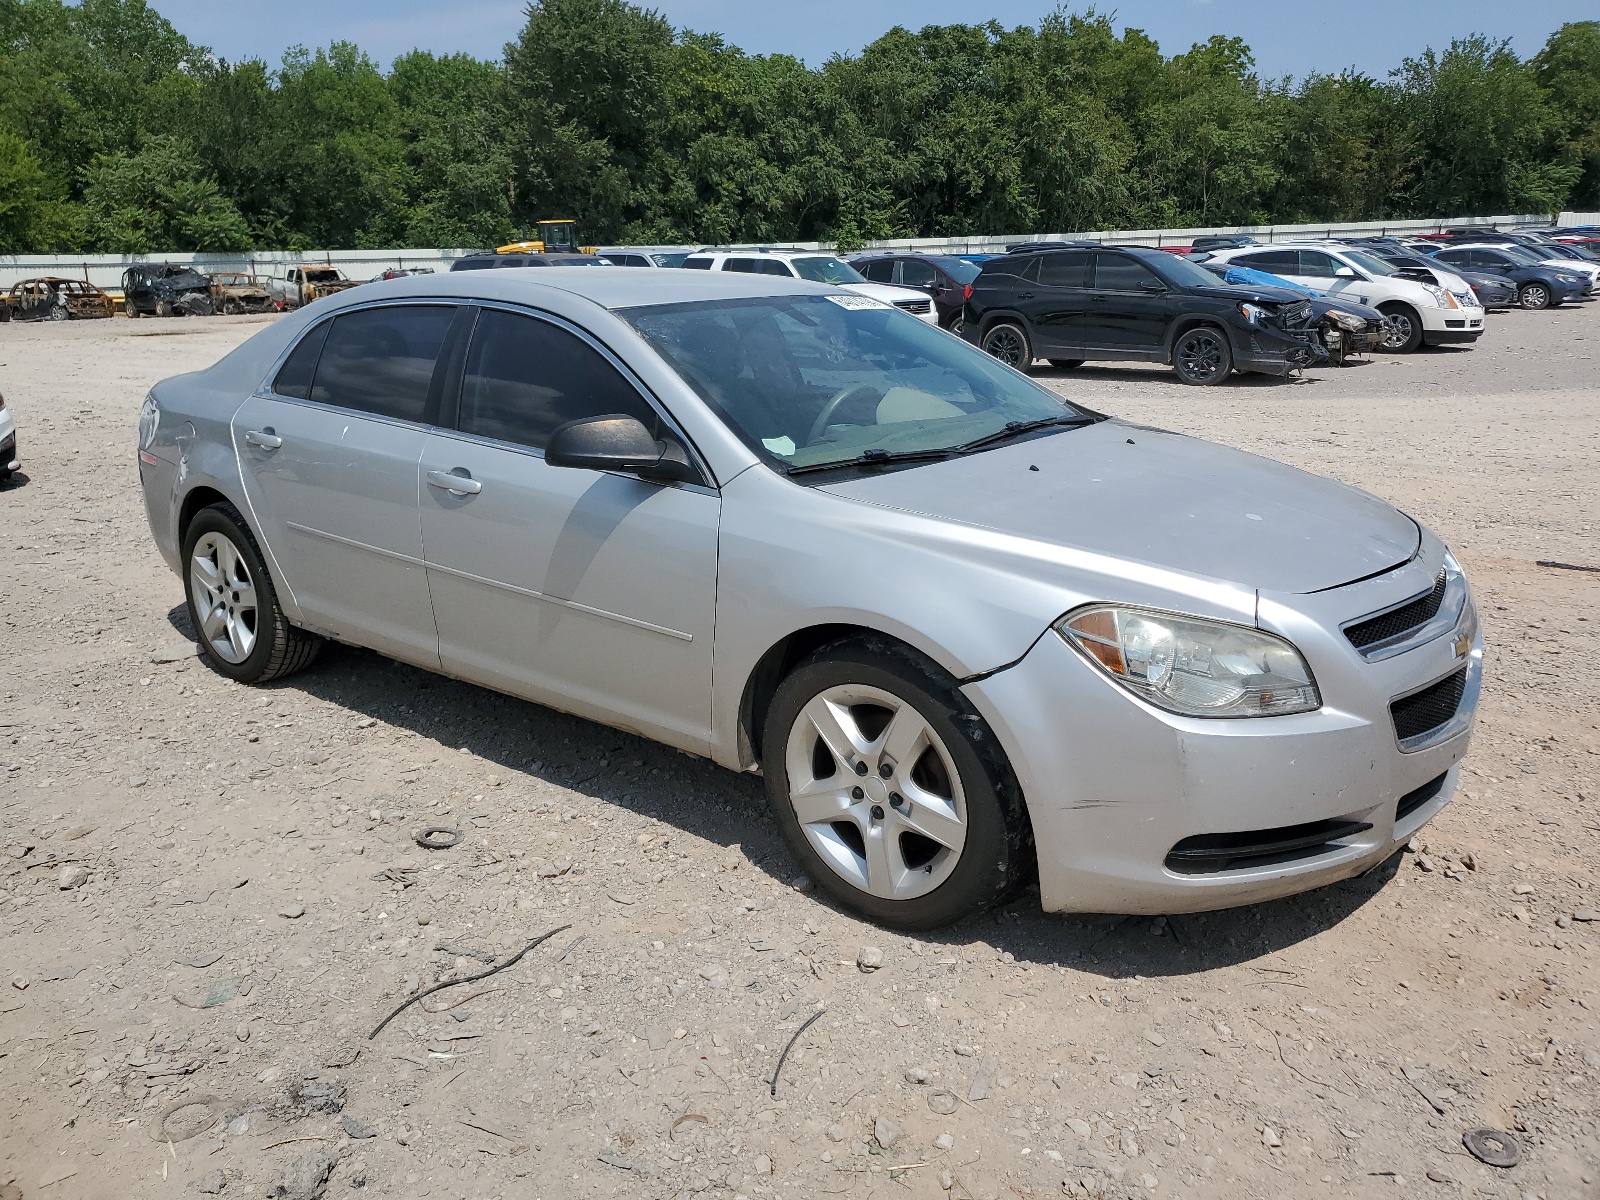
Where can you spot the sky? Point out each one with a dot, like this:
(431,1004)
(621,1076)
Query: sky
(1290,38)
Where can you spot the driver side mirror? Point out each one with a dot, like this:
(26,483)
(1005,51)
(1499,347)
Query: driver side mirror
(619,443)
(1345,273)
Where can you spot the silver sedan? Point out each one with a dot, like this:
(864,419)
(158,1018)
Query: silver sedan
(970,634)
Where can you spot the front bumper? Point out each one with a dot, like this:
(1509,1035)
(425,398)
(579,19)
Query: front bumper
(1449,337)
(1266,350)
(10,459)
(1114,785)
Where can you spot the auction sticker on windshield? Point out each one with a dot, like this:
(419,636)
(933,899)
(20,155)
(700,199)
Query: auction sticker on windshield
(851,301)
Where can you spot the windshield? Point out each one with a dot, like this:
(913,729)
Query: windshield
(826,270)
(958,269)
(667,258)
(323,275)
(1371,263)
(1181,271)
(806,380)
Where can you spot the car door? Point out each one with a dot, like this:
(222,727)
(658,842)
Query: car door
(1129,308)
(329,454)
(1061,303)
(591,591)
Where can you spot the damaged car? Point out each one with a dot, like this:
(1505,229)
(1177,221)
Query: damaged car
(236,292)
(165,290)
(1339,327)
(294,287)
(1137,304)
(52,299)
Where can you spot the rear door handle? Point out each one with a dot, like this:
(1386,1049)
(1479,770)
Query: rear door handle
(457,482)
(264,438)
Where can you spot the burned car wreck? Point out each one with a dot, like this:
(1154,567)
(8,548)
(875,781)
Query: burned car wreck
(52,299)
(166,290)
(235,292)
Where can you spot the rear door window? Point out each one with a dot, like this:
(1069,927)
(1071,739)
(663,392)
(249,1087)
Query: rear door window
(879,270)
(381,360)
(1065,268)
(1274,262)
(525,376)
(696,264)
(745,266)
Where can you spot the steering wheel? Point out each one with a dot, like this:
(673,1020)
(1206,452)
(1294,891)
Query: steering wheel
(820,425)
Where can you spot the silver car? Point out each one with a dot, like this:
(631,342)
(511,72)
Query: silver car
(970,633)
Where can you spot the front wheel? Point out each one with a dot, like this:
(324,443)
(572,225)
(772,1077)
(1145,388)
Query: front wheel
(1067,364)
(1404,333)
(1533,296)
(1202,356)
(890,789)
(1009,343)
(131,309)
(57,313)
(233,605)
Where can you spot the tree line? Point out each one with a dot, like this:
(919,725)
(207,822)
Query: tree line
(119,134)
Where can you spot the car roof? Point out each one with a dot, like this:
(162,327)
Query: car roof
(610,287)
(768,251)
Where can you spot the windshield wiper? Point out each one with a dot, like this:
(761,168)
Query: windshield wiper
(875,458)
(1017,428)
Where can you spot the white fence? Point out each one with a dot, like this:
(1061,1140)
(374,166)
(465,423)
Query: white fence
(105,270)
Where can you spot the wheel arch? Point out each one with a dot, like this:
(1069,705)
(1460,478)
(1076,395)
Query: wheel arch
(1194,321)
(197,498)
(781,658)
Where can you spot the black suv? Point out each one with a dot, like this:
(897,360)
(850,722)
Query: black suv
(944,277)
(1133,304)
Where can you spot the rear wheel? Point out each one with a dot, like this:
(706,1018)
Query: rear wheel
(1202,356)
(890,788)
(233,605)
(956,324)
(58,312)
(1067,364)
(1533,296)
(1009,343)
(1404,333)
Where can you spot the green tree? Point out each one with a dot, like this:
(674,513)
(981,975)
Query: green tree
(1568,69)
(158,199)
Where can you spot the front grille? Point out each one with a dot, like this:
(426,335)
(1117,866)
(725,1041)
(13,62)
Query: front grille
(1210,852)
(1295,314)
(914,306)
(1411,801)
(1397,621)
(1425,711)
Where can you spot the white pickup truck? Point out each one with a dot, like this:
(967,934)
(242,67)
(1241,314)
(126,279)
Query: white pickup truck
(291,287)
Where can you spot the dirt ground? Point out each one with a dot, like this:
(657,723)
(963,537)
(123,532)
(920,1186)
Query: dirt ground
(196,1014)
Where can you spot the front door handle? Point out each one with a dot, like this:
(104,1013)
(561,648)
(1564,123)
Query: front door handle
(457,482)
(264,438)
(1024,295)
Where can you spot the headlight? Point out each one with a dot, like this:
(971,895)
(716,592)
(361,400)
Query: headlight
(1438,293)
(149,420)
(1253,313)
(1193,667)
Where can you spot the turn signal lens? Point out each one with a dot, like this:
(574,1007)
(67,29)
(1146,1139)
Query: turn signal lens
(1192,666)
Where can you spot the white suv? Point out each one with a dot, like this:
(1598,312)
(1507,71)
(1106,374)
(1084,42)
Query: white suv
(1418,312)
(817,267)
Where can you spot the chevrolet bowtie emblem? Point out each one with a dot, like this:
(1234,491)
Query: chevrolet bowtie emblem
(1463,645)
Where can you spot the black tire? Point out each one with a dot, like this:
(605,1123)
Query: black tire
(996,857)
(1533,296)
(1201,356)
(132,310)
(1067,364)
(1009,342)
(280,649)
(956,323)
(1405,328)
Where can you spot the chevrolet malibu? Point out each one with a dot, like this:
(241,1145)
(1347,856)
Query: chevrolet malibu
(969,633)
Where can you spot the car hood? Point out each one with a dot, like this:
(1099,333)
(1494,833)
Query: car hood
(1256,293)
(1160,498)
(886,292)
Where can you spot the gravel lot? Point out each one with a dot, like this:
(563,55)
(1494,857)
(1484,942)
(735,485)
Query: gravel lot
(195,1014)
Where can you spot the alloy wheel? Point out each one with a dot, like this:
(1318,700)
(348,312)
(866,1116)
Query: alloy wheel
(224,598)
(1398,334)
(1535,296)
(1006,344)
(876,792)
(1200,355)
